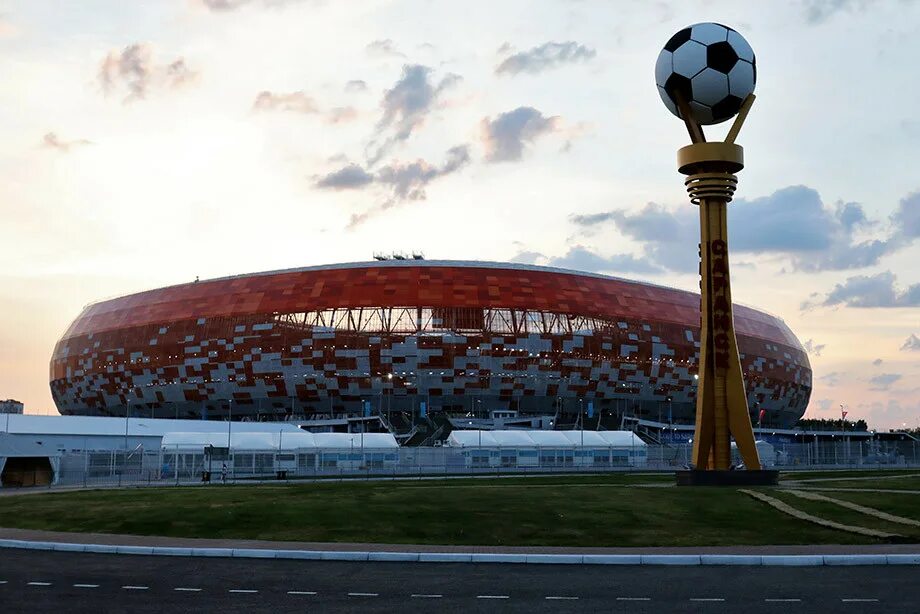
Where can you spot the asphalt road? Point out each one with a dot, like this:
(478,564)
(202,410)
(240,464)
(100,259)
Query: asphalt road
(56,581)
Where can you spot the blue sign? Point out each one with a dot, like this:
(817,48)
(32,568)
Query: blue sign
(590,409)
(422,410)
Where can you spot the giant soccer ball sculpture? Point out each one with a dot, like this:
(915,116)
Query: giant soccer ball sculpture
(706,75)
(711,66)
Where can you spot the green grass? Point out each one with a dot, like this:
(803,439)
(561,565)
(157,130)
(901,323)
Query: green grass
(889,484)
(844,473)
(549,511)
(906,505)
(832,511)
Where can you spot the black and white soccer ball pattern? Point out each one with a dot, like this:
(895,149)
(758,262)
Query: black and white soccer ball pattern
(713,68)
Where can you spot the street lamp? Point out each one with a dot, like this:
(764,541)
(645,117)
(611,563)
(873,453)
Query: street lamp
(229,424)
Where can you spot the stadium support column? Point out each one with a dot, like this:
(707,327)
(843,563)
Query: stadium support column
(721,404)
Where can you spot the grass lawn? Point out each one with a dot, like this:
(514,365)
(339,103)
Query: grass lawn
(551,511)
(845,473)
(879,501)
(886,484)
(906,505)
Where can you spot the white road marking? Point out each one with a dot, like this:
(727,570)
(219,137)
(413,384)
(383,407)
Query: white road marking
(129,587)
(39,583)
(424,596)
(634,598)
(706,599)
(86,586)
(3,581)
(859,600)
(301,592)
(363,594)
(492,597)
(242,590)
(561,598)
(185,589)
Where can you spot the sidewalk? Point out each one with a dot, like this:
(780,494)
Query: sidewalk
(252,544)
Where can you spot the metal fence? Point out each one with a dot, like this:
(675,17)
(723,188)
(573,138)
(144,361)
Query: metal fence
(165,467)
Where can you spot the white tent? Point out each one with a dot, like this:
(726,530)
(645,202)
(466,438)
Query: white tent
(347,441)
(146,427)
(471,439)
(238,441)
(532,448)
(542,438)
(295,440)
(549,438)
(11,448)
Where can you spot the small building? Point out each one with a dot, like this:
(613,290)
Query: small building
(252,454)
(549,449)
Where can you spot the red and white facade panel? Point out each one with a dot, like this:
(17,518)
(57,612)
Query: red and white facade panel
(393,334)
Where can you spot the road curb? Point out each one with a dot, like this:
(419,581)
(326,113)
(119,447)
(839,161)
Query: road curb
(747,560)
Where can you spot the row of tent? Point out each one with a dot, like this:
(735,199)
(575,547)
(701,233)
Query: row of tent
(277,441)
(544,439)
(538,449)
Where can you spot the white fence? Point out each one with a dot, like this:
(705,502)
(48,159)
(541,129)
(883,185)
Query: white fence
(163,467)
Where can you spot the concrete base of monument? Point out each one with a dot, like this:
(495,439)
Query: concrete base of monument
(741,477)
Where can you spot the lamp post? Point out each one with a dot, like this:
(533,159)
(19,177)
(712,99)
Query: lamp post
(229,424)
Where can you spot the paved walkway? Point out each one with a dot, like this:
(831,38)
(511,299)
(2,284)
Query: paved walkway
(187,542)
(870,511)
(797,513)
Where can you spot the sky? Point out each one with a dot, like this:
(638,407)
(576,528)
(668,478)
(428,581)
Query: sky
(149,143)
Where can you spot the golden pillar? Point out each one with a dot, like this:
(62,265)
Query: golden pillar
(721,402)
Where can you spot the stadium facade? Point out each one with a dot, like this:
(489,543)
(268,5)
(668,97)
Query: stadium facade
(415,337)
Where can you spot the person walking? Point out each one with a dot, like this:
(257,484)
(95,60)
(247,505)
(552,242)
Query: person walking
(223,473)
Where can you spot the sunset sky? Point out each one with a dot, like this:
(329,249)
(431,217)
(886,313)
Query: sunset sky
(147,143)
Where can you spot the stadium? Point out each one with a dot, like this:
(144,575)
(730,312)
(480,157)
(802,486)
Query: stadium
(410,340)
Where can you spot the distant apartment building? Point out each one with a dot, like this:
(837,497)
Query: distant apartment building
(10,406)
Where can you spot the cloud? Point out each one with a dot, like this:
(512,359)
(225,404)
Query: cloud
(884,381)
(865,291)
(820,11)
(906,220)
(666,236)
(299,102)
(406,105)
(832,378)
(340,115)
(825,404)
(408,181)
(546,56)
(911,344)
(582,258)
(348,177)
(356,85)
(295,102)
(813,348)
(135,70)
(505,137)
(398,182)
(383,47)
(226,6)
(791,222)
(877,362)
(52,141)
(526,257)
